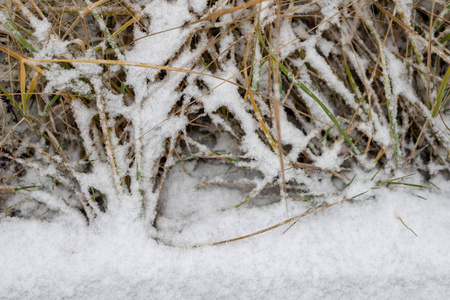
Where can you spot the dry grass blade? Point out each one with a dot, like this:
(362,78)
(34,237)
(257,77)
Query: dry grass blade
(262,123)
(290,220)
(124,63)
(436,50)
(92,6)
(10,131)
(19,57)
(22,87)
(124,26)
(276,105)
(215,15)
(406,226)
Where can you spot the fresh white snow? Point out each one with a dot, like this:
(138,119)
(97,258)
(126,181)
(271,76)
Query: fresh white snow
(355,250)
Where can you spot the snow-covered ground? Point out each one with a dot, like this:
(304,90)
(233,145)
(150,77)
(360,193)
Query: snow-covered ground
(355,250)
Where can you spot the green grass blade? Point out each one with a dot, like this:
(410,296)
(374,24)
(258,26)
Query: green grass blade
(418,196)
(11,99)
(47,108)
(409,184)
(304,88)
(204,63)
(325,136)
(351,181)
(433,185)
(25,187)
(14,205)
(231,160)
(441,93)
(17,34)
(445,38)
(93,193)
(360,194)
(352,80)
(22,28)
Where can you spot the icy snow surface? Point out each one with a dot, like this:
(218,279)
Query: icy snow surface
(356,250)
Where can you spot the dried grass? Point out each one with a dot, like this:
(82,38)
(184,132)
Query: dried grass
(39,133)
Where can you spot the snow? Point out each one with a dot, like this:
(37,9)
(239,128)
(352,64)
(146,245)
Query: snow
(198,5)
(331,159)
(356,250)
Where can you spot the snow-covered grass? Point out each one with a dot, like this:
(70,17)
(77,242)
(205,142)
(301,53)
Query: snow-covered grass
(282,148)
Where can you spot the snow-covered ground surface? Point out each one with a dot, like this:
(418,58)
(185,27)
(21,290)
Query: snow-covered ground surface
(355,250)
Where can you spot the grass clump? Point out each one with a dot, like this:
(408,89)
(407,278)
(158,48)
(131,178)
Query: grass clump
(109,96)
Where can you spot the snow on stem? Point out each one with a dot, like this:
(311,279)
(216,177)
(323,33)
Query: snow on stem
(390,101)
